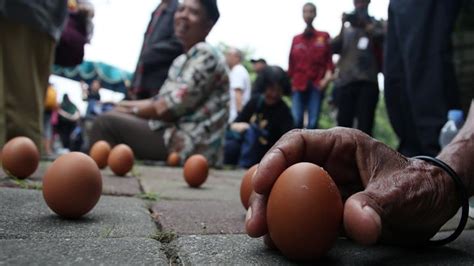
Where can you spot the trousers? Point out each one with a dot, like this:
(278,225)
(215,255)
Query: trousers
(26,56)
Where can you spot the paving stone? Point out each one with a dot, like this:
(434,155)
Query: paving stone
(120,186)
(69,251)
(225,250)
(242,250)
(200,217)
(169,183)
(25,215)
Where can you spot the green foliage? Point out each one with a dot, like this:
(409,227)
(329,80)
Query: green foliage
(382,131)
(327,118)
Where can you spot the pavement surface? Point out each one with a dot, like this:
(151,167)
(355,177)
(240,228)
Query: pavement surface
(152,217)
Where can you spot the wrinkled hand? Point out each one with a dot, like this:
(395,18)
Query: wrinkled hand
(388,197)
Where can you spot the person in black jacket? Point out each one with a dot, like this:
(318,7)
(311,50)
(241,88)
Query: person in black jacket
(356,85)
(263,120)
(160,48)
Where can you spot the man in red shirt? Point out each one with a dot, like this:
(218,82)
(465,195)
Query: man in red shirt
(310,69)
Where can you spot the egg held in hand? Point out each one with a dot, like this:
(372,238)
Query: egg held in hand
(304,212)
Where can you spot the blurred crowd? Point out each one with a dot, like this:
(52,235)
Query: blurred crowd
(187,97)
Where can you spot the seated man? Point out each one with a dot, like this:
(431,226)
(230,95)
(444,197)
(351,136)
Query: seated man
(263,120)
(190,113)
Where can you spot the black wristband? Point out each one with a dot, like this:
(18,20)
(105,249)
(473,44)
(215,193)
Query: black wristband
(463,197)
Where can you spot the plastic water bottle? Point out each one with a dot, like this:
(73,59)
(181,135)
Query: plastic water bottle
(448,132)
(451,128)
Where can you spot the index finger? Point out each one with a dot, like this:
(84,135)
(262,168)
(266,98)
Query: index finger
(296,146)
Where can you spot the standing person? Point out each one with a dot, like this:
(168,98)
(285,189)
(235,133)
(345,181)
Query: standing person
(29,30)
(160,47)
(68,117)
(359,46)
(92,96)
(240,86)
(420,84)
(310,69)
(77,32)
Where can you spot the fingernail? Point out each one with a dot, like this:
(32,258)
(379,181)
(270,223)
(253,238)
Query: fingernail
(249,215)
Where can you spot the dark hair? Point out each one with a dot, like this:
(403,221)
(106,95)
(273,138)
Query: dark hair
(211,9)
(311,5)
(260,60)
(275,75)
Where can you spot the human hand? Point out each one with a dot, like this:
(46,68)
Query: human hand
(388,197)
(323,84)
(239,127)
(370,27)
(122,109)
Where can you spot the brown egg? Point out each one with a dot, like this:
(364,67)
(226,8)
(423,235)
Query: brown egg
(196,170)
(100,153)
(121,159)
(304,212)
(20,157)
(72,185)
(173,159)
(246,186)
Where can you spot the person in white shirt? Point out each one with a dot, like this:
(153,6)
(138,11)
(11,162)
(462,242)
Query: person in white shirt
(240,85)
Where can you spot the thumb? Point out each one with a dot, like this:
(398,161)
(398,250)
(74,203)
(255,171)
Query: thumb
(362,221)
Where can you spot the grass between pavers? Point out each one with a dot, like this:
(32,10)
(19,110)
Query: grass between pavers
(21,183)
(107,231)
(166,239)
(149,196)
(135,172)
(27,185)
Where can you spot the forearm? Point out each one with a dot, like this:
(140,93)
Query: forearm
(156,109)
(131,104)
(459,154)
(238,99)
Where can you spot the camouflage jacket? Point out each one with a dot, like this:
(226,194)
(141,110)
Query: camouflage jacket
(196,92)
